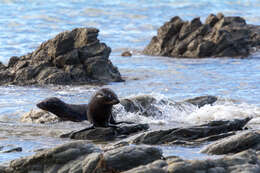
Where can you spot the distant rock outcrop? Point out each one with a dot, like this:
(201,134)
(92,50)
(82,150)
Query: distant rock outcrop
(220,36)
(72,57)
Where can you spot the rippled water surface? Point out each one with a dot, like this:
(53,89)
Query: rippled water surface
(126,25)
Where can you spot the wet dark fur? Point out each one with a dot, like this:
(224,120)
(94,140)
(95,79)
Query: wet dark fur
(63,110)
(98,111)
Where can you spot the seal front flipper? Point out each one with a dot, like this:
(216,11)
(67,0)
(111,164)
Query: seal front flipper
(72,134)
(63,110)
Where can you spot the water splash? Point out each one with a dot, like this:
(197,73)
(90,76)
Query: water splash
(167,111)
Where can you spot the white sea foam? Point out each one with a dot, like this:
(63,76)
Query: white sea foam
(169,111)
(223,112)
(165,111)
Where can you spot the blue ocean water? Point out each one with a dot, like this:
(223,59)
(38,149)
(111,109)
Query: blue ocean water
(125,25)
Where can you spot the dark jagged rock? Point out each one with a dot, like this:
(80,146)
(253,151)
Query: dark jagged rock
(220,36)
(234,144)
(191,135)
(104,134)
(72,57)
(82,157)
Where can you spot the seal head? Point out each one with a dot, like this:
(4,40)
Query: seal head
(100,107)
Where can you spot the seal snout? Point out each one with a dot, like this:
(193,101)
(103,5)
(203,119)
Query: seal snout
(41,105)
(115,101)
(111,100)
(49,103)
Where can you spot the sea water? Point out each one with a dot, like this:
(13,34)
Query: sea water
(126,25)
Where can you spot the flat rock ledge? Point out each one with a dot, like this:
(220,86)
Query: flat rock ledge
(105,134)
(82,157)
(193,135)
(71,58)
(219,36)
(234,144)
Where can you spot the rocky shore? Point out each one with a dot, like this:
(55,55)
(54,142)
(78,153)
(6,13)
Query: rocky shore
(219,36)
(241,149)
(77,57)
(71,58)
(133,148)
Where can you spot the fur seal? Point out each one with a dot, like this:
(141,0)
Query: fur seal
(98,111)
(71,112)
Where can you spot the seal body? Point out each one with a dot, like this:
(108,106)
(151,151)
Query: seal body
(72,112)
(99,111)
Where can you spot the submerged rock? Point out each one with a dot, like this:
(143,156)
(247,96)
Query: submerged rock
(202,100)
(16,149)
(144,104)
(82,157)
(72,57)
(220,36)
(234,144)
(126,53)
(191,135)
(104,134)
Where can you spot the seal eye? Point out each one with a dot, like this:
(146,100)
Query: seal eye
(99,95)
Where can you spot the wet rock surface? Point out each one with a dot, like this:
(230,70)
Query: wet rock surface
(157,166)
(105,134)
(191,135)
(72,57)
(247,161)
(219,36)
(234,144)
(82,157)
(202,100)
